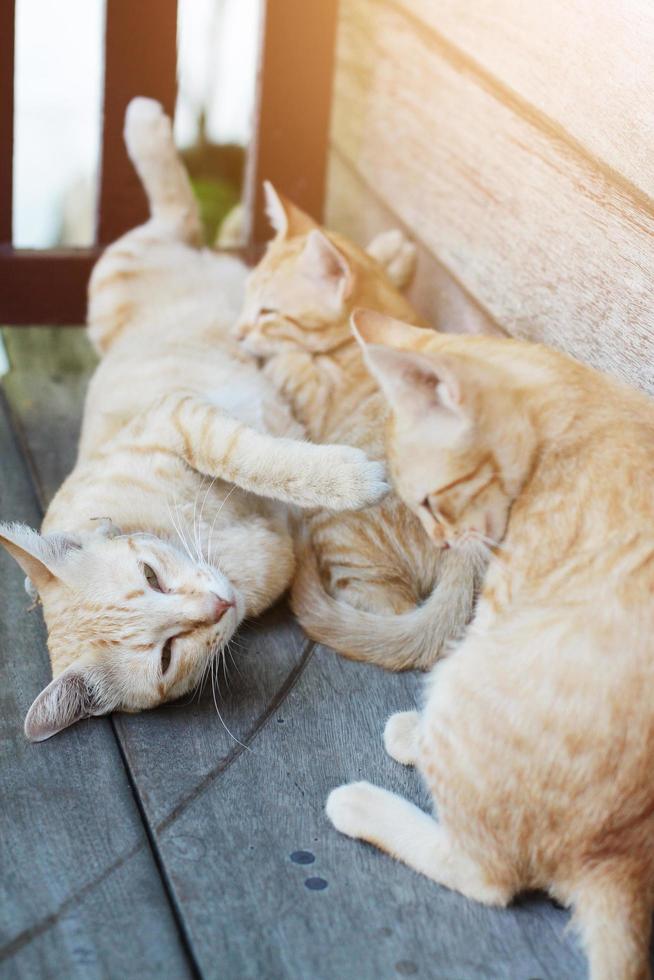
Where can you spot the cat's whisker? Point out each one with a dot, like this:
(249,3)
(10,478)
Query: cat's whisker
(214,687)
(177,527)
(199,525)
(213,524)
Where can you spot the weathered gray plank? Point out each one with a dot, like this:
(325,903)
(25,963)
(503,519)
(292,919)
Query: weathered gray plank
(80,895)
(50,369)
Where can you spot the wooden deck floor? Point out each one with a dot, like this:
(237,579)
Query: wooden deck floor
(161,845)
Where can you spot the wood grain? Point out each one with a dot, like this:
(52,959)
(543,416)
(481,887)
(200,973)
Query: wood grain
(80,894)
(547,244)
(355,210)
(584,67)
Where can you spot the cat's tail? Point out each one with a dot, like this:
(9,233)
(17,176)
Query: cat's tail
(401,641)
(613,914)
(152,150)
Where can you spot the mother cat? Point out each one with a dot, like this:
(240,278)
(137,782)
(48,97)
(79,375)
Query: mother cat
(146,567)
(537,737)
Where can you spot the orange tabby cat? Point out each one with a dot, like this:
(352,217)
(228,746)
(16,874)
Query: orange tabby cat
(537,737)
(390,599)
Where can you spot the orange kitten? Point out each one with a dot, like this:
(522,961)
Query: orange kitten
(367,584)
(537,737)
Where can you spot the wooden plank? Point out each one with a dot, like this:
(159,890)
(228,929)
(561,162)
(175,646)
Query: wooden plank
(80,894)
(354,209)
(140,59)
(50,370)
(7,35)
(583,68)
(44,286)
(351,911)
(545,242)
(294,89)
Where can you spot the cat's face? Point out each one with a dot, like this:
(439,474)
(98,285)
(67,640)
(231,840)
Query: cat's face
(132,621)
(300,295)
(457,443)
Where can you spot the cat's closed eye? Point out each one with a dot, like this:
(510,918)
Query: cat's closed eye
(166,656)
(152,578)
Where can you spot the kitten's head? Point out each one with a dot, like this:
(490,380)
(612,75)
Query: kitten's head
(459,440)
(132,620)
(302,292)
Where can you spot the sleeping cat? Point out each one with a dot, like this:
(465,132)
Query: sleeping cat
(387,596)
(156,547)
(537,736)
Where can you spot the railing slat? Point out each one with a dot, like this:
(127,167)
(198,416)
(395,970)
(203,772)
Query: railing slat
(7,38)
(141,59)
(294,101)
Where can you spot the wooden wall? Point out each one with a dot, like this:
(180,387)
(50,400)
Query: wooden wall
(514,140)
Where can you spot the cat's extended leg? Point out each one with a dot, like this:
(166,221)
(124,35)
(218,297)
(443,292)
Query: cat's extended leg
(401,737)
(295,472)
(396,826)
(174,211)
(397,254)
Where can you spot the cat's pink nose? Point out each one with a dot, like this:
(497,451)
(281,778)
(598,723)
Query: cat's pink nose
(220,608)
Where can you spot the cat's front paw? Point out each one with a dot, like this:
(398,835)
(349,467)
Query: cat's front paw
(397,254)
(401,737)
(354,480)
(351,808)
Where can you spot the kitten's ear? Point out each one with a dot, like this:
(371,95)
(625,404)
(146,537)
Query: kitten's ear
(77,693)
(414,384)
(370,327)
(40,556)
(287,219)
(323,264)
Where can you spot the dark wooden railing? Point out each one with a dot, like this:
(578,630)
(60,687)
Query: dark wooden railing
(289,142)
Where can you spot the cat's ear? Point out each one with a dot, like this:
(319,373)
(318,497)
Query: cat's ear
(41,557)
(412,382)
(286,218)
(327,268)
(371,327)
(77,693)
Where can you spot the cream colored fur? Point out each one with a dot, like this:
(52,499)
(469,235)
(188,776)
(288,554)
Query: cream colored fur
(160,541)
(368,584)
(537,735)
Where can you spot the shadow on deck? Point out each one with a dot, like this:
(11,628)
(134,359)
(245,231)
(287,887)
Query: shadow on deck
(191,841)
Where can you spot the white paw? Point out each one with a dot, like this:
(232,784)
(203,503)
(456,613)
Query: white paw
(401,736)
(146,126)
(397,254)
(355,481)
(351,808)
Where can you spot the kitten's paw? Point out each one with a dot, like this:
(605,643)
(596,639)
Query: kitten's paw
(354,481)
(351,808)
(401,737)
(397,254)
